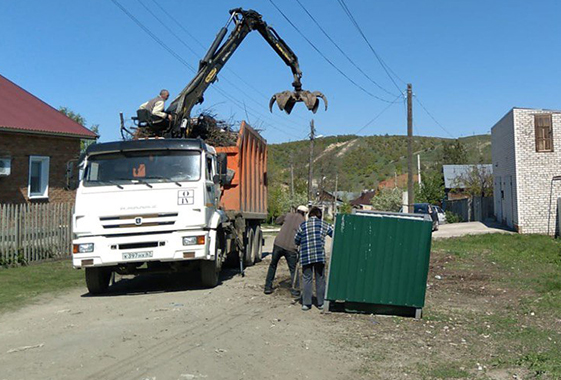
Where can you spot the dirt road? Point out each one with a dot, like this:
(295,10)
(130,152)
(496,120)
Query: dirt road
(170,328)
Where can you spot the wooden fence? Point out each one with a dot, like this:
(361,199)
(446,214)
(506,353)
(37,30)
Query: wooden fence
(472,209)
(31,233)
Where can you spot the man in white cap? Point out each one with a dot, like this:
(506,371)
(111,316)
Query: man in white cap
(284,246)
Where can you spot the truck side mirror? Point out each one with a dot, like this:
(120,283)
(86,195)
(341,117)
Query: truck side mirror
(222,163)
(70,175)
(224,179)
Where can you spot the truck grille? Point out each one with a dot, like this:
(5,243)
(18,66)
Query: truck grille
(133,221)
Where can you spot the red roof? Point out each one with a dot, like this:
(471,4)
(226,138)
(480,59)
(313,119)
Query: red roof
(19,110)
(364,199)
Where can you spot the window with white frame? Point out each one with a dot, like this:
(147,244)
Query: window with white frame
(38,186)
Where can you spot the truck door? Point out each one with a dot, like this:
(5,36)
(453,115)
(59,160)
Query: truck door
(211,195)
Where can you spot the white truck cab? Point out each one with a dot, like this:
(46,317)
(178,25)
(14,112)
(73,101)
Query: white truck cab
(148,205)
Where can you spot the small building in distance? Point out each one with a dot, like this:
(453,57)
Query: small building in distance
(526,153)
(454,176)
(364,201)
(38,144)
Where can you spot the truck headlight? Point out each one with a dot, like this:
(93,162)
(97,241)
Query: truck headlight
(194,240)
(83,248)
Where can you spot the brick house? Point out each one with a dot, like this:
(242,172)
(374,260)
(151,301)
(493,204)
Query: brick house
(37,146)
(526,152)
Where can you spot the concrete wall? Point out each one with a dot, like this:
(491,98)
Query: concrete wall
(19,146)
(534,173)
(504,170)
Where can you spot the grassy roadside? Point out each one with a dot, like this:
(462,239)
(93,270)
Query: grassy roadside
(21,285)
(493,311)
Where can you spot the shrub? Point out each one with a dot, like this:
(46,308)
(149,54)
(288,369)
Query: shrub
(452,217)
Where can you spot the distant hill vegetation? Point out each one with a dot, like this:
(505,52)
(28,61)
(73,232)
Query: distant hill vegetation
(362,162)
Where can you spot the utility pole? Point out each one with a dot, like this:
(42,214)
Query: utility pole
(312,136)
(410,193)
(292,175)
(334,207)
(419,168)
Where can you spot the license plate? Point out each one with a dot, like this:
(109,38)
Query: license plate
(137,255)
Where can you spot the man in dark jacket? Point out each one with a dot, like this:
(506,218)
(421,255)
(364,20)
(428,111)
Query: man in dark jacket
(284,246)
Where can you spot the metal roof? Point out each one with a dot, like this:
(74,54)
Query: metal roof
(21,111)
(453,174)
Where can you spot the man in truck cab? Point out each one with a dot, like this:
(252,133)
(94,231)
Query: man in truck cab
(284,246)
(153,112)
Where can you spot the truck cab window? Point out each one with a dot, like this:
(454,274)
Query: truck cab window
(209,169)
(147,166)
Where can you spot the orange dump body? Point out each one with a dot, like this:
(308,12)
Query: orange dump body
(247,193)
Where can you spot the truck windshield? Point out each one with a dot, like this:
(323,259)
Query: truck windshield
(142,167)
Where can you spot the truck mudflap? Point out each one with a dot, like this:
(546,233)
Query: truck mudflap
(100,251)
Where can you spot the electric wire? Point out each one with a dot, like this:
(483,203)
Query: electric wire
(325,57)
(341,50)
(432,117)
(153,36)
(355,23)
(190,67)
(380,114)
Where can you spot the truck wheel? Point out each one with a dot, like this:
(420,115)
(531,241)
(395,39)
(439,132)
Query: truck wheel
(249,259)
(258,245)
(210,270)
(97,279)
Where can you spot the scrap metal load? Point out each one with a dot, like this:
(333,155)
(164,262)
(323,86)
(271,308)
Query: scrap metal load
(214,60)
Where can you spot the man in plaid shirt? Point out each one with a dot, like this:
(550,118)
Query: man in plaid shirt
(311,239)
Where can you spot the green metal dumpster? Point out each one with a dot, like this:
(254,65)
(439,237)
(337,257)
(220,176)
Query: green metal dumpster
(380,261)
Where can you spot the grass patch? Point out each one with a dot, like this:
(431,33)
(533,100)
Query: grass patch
(532,261)
(447,371)
(20,285)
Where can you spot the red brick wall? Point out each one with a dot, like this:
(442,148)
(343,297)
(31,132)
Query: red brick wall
(19,146)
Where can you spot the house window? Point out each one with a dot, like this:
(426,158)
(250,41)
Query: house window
(544,133)
(38,186)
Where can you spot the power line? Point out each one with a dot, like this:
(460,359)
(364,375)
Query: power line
(382,63)
(186,64)
(324,57)
(380,114)
(432,117)
(153,36)
(341,50)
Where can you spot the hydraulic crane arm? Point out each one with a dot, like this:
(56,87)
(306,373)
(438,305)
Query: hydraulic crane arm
(219,53)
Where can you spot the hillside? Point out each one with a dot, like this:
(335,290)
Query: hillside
(363,161)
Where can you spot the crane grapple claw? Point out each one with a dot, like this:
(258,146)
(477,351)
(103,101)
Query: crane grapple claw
(287,99)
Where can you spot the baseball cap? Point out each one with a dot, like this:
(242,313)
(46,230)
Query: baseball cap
(302,208)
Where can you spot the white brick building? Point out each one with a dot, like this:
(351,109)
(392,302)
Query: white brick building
(526,152)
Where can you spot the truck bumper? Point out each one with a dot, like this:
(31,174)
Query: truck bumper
(165,247)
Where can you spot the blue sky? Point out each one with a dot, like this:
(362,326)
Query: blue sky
(469,61)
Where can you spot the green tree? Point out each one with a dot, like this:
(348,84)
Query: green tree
(82,121)
(454,153)
(431,189)
(388,200)
(280,200)
(477,181)
(345,208)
